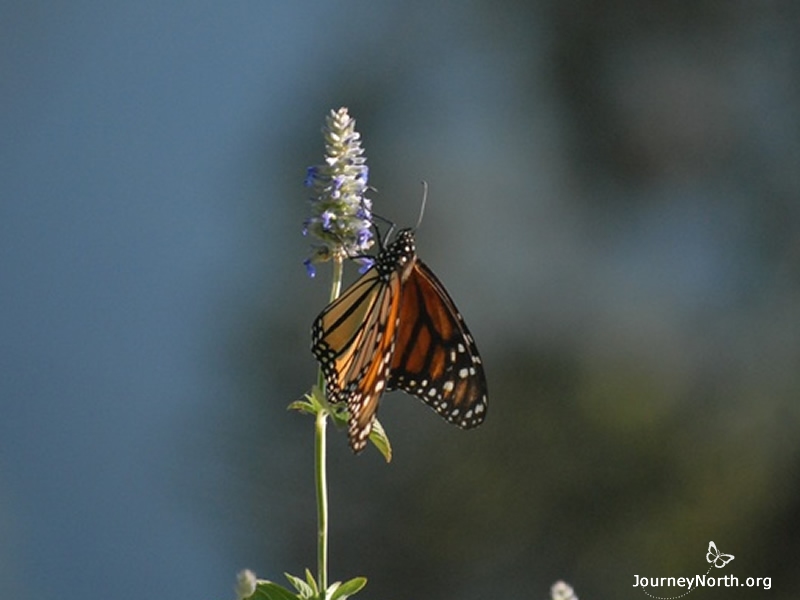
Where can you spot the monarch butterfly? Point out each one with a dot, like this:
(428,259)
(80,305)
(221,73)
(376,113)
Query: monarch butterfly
(396,328)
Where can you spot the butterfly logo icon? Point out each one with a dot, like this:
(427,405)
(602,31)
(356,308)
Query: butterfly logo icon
(717,558)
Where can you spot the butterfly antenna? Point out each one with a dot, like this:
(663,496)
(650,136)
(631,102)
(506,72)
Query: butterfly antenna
(382,239)
(424,201)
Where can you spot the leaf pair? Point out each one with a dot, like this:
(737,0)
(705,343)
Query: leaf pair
(306,589)
(314,402)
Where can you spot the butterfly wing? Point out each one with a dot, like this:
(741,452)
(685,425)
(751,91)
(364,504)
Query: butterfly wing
(722,560)
(712,553)
(353,339)
(435,357)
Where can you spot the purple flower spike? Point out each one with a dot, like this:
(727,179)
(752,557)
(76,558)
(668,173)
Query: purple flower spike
(341,214)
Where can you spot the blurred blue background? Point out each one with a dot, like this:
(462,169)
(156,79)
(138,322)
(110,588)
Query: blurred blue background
(613,203)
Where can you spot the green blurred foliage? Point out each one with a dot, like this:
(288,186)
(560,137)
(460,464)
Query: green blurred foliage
(643,396)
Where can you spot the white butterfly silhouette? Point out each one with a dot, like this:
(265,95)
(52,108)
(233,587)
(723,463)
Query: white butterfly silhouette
(717,558)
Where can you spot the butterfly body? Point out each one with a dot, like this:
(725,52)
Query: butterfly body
(396,328)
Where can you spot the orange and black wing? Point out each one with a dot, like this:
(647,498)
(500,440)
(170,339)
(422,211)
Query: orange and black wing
(353,340)
(435,357)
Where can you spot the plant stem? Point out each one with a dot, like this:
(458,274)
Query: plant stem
(322,502)
(320,465)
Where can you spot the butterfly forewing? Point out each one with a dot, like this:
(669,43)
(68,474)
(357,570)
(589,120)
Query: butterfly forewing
(340,330)
(435,357)
(396,327)
(353,338)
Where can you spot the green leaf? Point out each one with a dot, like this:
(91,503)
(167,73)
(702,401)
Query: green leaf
(313,402)
(378,437)
(317,397)
(310,404)
(332,589)
(312,583)
(340,415)
(267,590)
(305,590)
(302,406)
(347,589)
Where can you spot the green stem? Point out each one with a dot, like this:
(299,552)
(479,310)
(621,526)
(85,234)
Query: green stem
(320,466)
(322,502)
